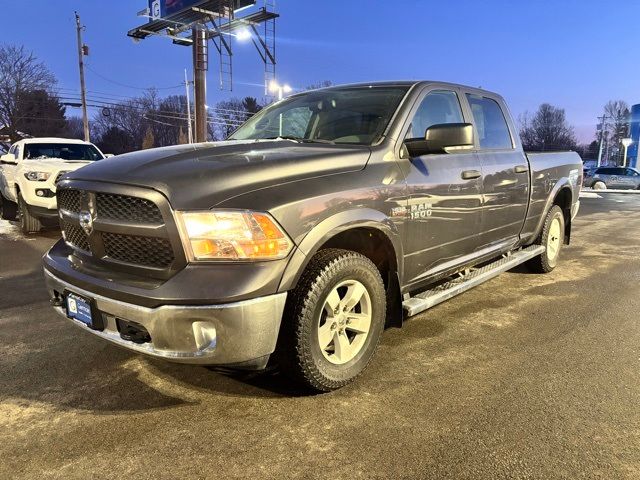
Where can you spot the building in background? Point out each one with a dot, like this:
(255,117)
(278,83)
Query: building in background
(634,132)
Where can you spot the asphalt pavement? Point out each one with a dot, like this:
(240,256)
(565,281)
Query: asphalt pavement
(526,376)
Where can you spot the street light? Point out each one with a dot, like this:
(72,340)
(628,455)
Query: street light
(625,143)
(280,89)
(243,35)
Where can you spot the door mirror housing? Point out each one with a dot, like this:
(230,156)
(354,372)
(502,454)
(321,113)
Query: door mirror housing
(442,138)
(8,158)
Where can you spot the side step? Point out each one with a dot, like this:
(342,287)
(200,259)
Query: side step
(472,278)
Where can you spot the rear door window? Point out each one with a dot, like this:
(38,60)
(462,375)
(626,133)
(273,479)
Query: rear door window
(493,131)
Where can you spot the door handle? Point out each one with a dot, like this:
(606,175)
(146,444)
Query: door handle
(521,169)
(471,174)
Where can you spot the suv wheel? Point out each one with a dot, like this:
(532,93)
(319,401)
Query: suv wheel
(333,320)
(599,185)
(28,222)
(8,209)
(552,237)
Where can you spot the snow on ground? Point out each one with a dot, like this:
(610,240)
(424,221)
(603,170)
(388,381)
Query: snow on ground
(589,195)
(10,230)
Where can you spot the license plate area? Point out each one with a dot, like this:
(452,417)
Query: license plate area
(83,309)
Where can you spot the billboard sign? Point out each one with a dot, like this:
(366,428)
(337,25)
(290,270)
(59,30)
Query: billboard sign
(166,9)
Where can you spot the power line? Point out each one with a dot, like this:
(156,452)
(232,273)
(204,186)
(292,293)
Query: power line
(130,86)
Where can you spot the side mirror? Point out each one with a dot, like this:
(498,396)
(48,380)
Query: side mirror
(442,138)
(8,158)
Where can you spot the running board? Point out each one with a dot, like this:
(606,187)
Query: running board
(469,279)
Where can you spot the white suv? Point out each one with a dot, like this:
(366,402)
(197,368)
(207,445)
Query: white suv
(29,173)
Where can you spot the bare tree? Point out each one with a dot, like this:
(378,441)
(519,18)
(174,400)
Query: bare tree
(229,115)
(546,130)
(20,73)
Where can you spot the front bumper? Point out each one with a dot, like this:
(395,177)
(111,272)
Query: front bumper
(241,334)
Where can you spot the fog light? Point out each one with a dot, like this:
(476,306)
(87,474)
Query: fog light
(40,193)
(205,335)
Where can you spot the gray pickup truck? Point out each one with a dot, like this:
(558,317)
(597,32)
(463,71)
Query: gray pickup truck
(326,217)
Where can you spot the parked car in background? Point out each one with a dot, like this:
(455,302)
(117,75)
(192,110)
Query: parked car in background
(29,173)
(613,177)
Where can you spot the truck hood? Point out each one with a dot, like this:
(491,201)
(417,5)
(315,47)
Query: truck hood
(204,175)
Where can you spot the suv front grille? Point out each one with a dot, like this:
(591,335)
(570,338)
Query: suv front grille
(120,229)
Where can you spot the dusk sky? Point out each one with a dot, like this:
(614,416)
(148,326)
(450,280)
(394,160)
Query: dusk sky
(575,54)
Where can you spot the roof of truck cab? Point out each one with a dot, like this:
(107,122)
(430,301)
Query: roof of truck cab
(408,83)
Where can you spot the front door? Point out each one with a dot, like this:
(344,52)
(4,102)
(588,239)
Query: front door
(444,197)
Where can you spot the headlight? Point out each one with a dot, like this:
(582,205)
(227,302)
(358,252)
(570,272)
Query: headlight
(232,235)
(37,176)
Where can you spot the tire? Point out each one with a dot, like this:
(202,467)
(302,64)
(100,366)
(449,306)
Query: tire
(28,222)
(310,318)
(599,185)
(8,209)
(552,237)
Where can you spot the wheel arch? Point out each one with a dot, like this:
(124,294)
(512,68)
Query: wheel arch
(365,231)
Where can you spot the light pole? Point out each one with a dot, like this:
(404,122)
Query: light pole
(281,90)
(275,87)
(625,143)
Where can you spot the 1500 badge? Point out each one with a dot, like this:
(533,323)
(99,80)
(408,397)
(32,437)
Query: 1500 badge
(416,211)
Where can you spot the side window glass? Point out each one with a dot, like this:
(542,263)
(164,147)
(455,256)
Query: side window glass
(17,153)
(439,106)
(493,131)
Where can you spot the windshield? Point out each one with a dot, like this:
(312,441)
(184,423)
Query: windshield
(350,115)
(64,151)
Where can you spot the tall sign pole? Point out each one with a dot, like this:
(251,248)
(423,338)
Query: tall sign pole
(83,93)
(200,67)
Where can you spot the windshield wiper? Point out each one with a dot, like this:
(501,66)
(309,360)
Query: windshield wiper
(300,139)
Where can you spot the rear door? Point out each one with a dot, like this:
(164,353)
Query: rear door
(505,171)
(443,208)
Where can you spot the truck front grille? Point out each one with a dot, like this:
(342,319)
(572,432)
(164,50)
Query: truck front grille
(125,230)
(69,200)
(148,251)
(74,235)
(130,209)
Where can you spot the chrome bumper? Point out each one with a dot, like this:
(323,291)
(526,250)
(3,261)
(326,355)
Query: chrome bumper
(239,334)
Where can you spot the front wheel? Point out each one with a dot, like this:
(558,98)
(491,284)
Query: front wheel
(28,222)
(333,320)
(599,186)
(552,237)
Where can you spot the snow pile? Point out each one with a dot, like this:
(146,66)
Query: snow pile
(10,230)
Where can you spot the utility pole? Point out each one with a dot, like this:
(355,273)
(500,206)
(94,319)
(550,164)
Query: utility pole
(200,67)
(602,133)
(187,85)
(82,51)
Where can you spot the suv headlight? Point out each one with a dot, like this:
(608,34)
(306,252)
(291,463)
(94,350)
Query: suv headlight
(37,176)
(232,235)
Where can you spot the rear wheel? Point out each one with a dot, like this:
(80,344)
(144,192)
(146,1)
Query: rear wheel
(599,186)
(28,222)
(8,209)
(333,320)
(552,237)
